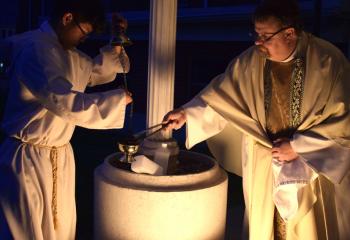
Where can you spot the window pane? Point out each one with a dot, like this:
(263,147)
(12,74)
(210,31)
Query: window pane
(129,5)
(191,3)
(224,3)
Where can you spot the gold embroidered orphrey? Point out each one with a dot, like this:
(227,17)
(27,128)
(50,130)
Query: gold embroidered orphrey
(296,88)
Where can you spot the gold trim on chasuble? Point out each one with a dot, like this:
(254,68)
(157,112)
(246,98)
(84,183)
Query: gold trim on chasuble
(296,88)
(296,97)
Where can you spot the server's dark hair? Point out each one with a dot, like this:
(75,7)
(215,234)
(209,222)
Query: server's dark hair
(286,11)
(91,11)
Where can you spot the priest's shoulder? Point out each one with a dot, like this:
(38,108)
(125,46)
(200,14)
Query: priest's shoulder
(325,50)
(247,57)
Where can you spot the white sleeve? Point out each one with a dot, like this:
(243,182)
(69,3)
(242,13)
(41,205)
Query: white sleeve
(202,122)
(323,155)
(107,64)
(42,73)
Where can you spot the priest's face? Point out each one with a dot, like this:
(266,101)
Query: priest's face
(71,32)
(275,41)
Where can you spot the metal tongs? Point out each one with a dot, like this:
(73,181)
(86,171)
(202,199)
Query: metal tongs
(130,145)
(144,133)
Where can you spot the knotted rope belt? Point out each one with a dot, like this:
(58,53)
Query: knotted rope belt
(53,160)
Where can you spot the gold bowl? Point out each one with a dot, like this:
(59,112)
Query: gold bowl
(129,148)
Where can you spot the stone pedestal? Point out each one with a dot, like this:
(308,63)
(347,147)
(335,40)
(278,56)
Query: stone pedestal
(186,206)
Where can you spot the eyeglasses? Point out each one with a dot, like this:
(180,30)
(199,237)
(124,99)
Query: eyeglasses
(265,38)
(85,33)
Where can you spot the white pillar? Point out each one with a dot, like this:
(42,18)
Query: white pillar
(161,61)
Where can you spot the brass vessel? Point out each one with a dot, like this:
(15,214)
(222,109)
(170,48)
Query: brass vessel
(130,145)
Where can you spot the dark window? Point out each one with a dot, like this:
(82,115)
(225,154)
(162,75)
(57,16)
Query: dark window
(129,5)
(226,3)
(191,3)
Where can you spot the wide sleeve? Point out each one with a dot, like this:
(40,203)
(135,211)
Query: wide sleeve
(237,95)
(107,64)
(325,147)
(202,122)
(42,71)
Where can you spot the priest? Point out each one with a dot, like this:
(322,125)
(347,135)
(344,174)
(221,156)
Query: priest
(286,101)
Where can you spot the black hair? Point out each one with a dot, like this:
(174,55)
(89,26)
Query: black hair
(286,11)
(90,11)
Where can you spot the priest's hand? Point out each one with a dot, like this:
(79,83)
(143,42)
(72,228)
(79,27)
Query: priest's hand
(177,119)
(283,151)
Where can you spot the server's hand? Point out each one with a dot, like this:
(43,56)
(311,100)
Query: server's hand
(128,97)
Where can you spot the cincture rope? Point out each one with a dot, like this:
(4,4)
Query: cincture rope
(53,160)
